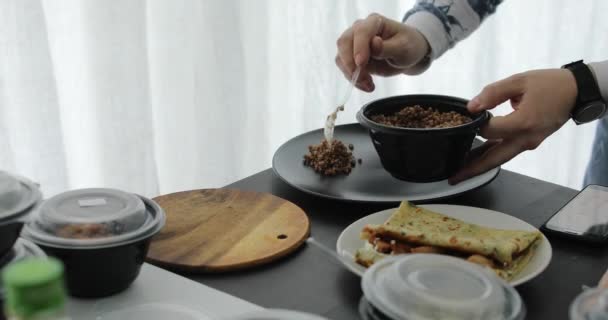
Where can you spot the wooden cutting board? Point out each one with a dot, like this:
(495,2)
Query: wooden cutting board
(216,230)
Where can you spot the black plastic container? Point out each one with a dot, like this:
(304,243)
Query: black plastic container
(421,154)
(9,233)
(95,273)
(102,237)
(18,196)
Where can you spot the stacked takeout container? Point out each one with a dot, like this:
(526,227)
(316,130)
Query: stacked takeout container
(18,198)
(431,286)
(101,235)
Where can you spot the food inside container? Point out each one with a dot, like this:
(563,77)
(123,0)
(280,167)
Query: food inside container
(84,231)
(422,117)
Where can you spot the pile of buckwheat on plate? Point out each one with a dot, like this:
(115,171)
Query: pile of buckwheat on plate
(330,160)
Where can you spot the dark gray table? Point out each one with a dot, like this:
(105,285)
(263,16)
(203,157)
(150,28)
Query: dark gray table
(311,281)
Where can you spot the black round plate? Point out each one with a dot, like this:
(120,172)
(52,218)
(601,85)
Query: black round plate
(368,182)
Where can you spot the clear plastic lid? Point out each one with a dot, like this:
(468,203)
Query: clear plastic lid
(277,314)
(16,195)
(431,286)
(93,218)
(591,304)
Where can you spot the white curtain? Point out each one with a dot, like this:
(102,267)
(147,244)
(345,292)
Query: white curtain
(158,96)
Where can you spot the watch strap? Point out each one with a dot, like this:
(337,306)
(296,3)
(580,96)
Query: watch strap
(586,84)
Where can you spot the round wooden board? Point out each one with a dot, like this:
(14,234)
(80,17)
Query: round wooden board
(216,230)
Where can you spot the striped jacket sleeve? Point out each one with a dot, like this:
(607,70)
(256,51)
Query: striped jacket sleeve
(445,22)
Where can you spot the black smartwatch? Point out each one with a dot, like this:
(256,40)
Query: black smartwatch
(589,104)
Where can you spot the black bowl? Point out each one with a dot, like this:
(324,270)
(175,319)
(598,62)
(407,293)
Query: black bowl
(97,273)
(107,269)
(421,154)
(9,233)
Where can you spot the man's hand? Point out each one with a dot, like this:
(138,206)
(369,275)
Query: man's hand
(542,101)
(380,46)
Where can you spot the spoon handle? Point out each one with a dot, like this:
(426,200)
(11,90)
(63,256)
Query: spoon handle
(349,89)
(330,122)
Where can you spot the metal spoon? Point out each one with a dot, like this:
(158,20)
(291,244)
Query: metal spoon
(330,122)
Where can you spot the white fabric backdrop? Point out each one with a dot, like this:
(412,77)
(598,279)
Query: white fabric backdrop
(158,96)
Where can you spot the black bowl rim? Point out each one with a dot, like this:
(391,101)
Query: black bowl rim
(369,124)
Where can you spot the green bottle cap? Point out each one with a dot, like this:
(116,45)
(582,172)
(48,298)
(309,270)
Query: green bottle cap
(34,286)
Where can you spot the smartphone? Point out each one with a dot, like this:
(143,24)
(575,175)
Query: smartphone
(585,217)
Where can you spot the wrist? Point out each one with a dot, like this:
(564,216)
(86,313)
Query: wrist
(588,105)
(424,51)
(570,87)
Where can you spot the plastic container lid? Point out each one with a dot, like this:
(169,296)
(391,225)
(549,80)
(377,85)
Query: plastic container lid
(16,196)
(278,314)
(592,304)
(93,218)
(431,286)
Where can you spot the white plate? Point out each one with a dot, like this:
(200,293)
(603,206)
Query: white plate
(349,240)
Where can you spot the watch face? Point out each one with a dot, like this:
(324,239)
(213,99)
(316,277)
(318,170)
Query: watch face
(590,112)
